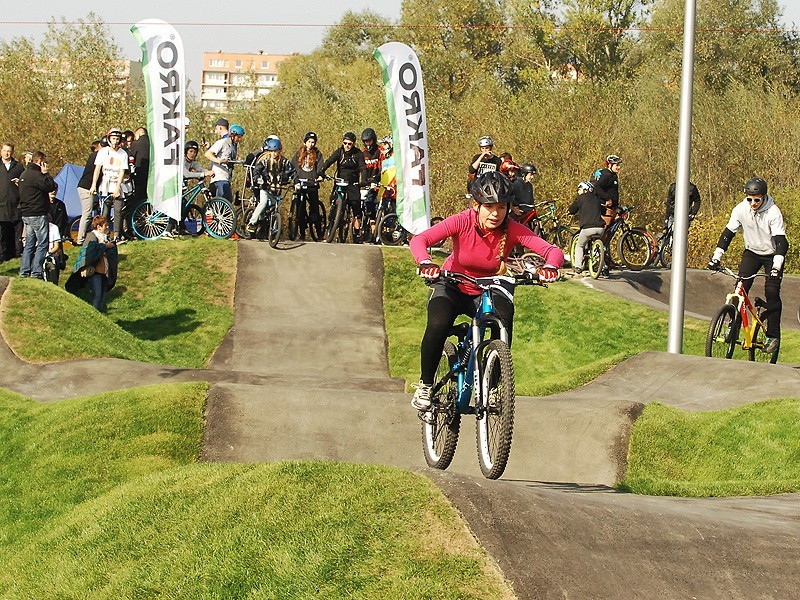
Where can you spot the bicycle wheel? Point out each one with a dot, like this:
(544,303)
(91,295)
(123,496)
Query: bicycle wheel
(390,232)
(756,352)
(665,255)
(291,225)
(495,424)
(220,218)
(74,226)
(634,249)
(723,333)
(573,245)
(596,257)
(560,236)
(194,222)
(334,220)
(344,230)
(148,223)
(316,222)
(275,227)
(440,436)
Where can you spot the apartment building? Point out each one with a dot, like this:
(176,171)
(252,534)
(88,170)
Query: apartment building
(230,80)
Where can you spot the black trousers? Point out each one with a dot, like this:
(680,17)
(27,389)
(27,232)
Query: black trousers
(445,303)
(10,239)
(751,264)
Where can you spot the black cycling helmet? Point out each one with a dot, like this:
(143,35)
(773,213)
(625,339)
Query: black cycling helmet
(528,168)
(756,187)
(189,145)
(369,134)
(613,159)
(349,136)
(491,188)
(309,135)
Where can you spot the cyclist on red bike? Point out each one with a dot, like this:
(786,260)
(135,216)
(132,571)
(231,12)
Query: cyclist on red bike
(483,237)
(765,246)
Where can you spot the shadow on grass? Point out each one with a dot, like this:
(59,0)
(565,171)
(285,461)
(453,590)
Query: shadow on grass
(162,326)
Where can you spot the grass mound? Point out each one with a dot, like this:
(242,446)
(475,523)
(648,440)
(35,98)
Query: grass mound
(173,304)
(748,450)
(109,501)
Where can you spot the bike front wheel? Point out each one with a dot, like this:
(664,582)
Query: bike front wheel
(634,249)
(665,255)
(194,222)
(390,232)
(149,223)
(495,409)
(220,218)
(275,227)
(294,217)
(756,351)
(596,258)
(723,333)
(334,220)
(440,436)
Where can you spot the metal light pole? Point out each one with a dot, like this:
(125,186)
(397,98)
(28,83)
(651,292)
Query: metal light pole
(677,292)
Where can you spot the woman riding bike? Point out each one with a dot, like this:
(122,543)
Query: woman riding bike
(483,236)
(270,172)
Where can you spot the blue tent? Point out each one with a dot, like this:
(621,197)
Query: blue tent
(67,180)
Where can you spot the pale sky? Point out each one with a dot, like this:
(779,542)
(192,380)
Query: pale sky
(195,21)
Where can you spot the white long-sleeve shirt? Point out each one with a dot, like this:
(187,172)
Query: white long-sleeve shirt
(759,227)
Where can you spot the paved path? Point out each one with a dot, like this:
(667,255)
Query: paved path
(303,374)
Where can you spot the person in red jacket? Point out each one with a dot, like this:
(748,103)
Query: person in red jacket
(483,236)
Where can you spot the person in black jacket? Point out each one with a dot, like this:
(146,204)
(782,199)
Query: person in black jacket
(84,184)
(140,153)
(589,209)
(606,186)
(694,204)
(35,186)
(350,166)
(10,172)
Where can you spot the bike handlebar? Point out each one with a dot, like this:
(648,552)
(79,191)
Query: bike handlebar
(729,273)
(485,283)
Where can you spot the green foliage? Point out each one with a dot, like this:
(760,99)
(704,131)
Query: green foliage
(109,501)
(168,307)
(750,450)
(66,92)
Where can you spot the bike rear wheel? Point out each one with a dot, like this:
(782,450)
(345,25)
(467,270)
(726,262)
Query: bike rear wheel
(596,257)
(440,436)
(275,227)
(148,223)
(723,333)
(334,220)
(634,249)
(194,222)
(220,218)
(756,352)
(316,221)
(495,425)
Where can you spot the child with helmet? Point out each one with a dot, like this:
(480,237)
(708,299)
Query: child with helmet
(590,210)
(483,236)
(270,172)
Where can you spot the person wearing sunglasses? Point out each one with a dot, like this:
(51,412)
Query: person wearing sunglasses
(350,166)
(765,245)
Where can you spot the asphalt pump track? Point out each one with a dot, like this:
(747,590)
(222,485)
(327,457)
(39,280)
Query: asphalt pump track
(303,374)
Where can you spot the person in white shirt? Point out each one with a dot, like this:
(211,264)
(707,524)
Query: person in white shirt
(220,154)
(765,246)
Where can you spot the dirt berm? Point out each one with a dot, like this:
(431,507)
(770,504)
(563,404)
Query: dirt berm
(303,373)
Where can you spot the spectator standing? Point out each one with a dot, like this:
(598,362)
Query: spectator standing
(220,153)
(84,185)
(35,186)
(140,152)
(484,161)
(112,162)
(10,172)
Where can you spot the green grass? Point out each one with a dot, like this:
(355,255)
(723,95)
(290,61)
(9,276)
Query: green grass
(749,450)
(564,336)
(173,304)
(104,497)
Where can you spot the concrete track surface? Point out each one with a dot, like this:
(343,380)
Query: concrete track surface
(303,374)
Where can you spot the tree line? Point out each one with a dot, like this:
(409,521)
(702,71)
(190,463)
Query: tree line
(557,83)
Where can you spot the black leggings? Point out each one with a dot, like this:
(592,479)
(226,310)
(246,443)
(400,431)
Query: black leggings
(752,264)
(445,303)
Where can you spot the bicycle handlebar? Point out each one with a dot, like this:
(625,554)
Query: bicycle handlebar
(729,273)
(486,283)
